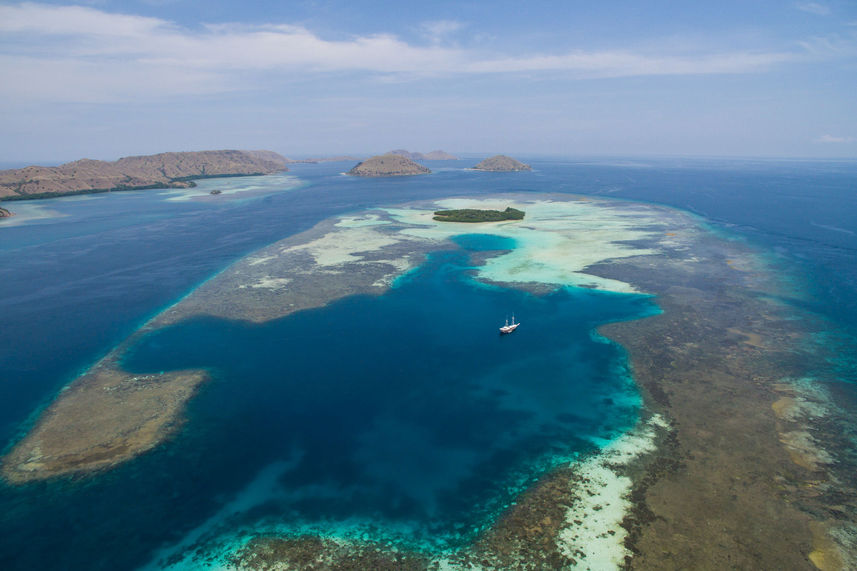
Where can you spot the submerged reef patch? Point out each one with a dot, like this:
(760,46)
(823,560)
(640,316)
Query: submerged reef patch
(728,469)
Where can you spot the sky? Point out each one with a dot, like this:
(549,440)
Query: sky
(104,79)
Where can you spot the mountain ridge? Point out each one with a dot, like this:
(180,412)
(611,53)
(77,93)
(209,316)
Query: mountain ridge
(170,170)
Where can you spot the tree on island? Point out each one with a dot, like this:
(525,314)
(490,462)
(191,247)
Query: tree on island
(476,215)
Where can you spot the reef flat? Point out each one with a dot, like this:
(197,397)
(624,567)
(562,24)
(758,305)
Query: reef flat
(752,476)
(105,417)
(353,254)
(725,467)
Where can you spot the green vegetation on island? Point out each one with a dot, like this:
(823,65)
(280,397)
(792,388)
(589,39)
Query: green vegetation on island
(475,215)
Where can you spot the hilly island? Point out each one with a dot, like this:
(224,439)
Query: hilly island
(164,170)
(390,164)
(502,163)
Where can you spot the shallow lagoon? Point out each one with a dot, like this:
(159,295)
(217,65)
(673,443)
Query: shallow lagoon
(407,416)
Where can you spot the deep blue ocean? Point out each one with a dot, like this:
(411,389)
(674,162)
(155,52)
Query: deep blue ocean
(406,414)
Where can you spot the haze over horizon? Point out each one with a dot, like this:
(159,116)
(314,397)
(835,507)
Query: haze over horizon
(115,78)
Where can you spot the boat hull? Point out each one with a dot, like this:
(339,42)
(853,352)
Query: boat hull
(506,329)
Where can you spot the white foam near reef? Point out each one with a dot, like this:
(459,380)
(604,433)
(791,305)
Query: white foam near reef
(235,185)
(25,213)
(555,243)
(593,534)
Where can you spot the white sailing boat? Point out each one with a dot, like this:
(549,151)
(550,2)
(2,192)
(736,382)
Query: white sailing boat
(509,327)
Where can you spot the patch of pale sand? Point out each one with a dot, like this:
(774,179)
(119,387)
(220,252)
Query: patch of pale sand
(234,187)
(255,261)
(400,265)
(593,535)
(804,400)
(798,408)
(814,400)
(361,220)
(555,243)
(784,408)
(804,450)
(826,554)
(345,246)
(268,282)
(445,564)
(26,213)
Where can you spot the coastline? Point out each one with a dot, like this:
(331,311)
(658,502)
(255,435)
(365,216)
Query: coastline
(178,183)
(163,170)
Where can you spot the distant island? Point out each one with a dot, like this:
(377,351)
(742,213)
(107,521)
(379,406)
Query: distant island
(502,163)
(5,213)
(431,156)
(475,215)
(170,170)
(388,165)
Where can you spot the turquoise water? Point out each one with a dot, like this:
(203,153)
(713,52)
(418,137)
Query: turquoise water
(483,242)
(407,413)
(314,417)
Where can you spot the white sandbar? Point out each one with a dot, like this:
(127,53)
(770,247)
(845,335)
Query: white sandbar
(594,536)
(555,243)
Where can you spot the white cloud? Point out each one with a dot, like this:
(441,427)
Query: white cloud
(833,139)
(831,46)
(75,53)
(813,8)
(76,21)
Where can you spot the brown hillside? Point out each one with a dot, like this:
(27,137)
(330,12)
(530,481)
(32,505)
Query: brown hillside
(150,171)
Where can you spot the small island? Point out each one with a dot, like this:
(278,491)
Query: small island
(388,165)
(5,213)
(502,163)
(476,215)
